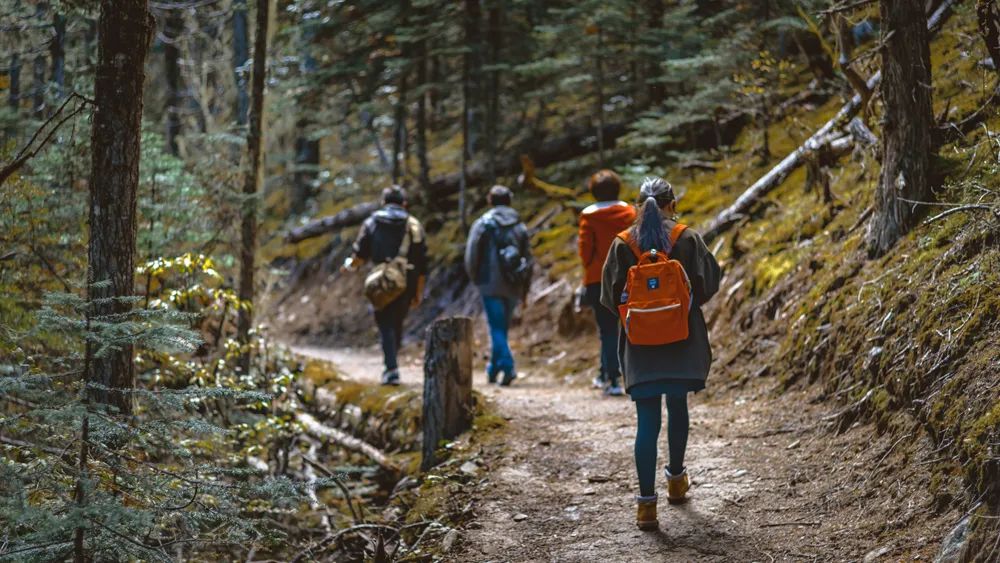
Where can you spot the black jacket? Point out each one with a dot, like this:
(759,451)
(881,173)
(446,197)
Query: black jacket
(381,236)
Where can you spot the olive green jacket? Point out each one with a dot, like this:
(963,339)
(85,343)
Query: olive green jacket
(686,360)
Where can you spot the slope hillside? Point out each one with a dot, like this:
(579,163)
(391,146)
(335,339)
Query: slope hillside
(899,353)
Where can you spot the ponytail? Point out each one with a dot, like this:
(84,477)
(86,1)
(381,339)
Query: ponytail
(648,229)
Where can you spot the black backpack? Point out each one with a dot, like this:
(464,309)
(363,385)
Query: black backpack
(514,266)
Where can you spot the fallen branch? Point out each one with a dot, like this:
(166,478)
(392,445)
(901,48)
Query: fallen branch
(347,218)
(774,177)
(974,207)
(320,431)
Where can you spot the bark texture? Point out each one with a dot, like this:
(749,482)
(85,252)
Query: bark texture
(125,30)
(989,28)
(248,229)
(448,404)
(908,123)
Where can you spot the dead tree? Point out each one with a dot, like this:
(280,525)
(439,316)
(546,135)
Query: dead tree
(448,403)
(125,30)
(989,28)
(907,135)
(248,231)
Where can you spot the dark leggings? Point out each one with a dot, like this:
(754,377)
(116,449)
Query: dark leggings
(648,411)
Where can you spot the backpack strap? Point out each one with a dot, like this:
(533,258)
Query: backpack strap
(675,235)
(408,234)
(633,244)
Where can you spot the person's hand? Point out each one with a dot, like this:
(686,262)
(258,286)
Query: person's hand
(351,264)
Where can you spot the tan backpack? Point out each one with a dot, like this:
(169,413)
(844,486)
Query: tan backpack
(387,281)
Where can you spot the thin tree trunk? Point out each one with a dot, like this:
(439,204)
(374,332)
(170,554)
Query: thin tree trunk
(908,123)
(494,36)
(399,128)
(599,85)
(248,245)
(989,28)
(57,50)
(306,148)
(38,85)
(657,92)
(14,94)
(172,30)
(421,117)
(79,548)
(241,54)
(125,31)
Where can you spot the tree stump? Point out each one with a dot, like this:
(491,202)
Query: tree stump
(447,383)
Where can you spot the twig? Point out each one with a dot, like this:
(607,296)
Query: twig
(953,210)
(796,523)
(340,485)
(29,150)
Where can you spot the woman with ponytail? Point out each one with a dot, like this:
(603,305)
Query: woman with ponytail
(672,370)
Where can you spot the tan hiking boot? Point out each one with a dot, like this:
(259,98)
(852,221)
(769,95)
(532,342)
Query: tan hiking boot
(646,514)
(677,486)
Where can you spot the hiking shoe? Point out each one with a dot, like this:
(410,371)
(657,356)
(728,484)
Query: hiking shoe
(598,382)
(677,486)
(614,390)
(390,377)
(646,513)
(508,378)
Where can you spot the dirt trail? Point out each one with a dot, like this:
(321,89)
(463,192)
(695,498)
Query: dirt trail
(558,483)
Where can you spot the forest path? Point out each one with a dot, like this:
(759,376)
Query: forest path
(558,483)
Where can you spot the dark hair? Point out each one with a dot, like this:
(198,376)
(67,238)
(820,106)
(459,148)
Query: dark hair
(654,194)
(394,194)
(605,185)
(500,195)
(648,228)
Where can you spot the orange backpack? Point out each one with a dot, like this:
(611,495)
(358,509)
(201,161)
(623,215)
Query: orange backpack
(657,297)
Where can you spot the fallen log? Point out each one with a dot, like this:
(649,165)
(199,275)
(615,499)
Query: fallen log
(774,177)
(347,218)
(321,431)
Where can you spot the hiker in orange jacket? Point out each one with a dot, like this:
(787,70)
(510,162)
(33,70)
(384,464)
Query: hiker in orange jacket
(599,224)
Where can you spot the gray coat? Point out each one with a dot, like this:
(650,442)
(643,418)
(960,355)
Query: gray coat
(482,261)
(686,360)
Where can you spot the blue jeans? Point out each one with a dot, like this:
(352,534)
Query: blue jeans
(607,330)
(390,329)
(499,311)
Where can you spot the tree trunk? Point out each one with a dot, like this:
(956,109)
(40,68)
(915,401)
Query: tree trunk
(14,94)
(470,98)
(448,402)
(421,117)
(399,128)
(248,230)
(57,50)
(125,31)
(989,28)
(241,53)
(599,96)
(657,92)
(38,85)
(306,148)
(173,27)
(494,34)
(908,123)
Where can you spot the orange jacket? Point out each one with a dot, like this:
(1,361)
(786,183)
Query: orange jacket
(599,225)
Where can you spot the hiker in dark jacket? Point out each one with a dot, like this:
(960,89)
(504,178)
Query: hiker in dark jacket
(501,281)
(671,370)
(381,236)
(600,223)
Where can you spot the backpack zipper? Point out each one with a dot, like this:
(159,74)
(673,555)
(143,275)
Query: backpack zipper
(652,310)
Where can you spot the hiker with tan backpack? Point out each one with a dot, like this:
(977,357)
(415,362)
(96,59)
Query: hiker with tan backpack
(393,241)
(657,276)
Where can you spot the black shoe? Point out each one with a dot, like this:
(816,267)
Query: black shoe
(508,377)
(390,377)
